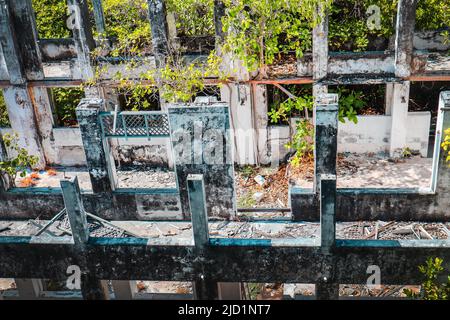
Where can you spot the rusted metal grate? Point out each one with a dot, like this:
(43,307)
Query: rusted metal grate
(137,124)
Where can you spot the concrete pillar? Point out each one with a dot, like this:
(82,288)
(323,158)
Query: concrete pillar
(75,211)
(399,116)
(406,19)
(99,16)
(261,123)
(388,100)
(18,42)
(124,289)
(23,121)
(92,288)
(158,23)
(45,122)
(82,36)
(327,211)
(440,179)
(201,145)
(320,51)
(91,133)
(197,205)
(29,289)
(230,290)
(326,125)
(219,12)
(238,96)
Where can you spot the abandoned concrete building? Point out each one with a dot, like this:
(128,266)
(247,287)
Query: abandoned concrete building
(180,201)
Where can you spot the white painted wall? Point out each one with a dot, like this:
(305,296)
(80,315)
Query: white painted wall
(370,134)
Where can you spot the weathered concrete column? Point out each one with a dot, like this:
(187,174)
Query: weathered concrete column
(327,211)
(399,116)
(91,133)
(82,35)
(29,289)
(75,211)
(404,36)
(201,145)
(440,179)
(92,288)
(124,289)
(197,205)
(219,13)
(22,60)
(99,16)
(23,121)
(326,126)
(326,288)
(320,51)
(158,23)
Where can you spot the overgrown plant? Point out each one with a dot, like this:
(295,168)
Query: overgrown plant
(432,288)
(259,31)
(446,144)
(350,102)
(19,162)
(4,118)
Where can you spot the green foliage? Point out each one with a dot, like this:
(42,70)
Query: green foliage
(127,22)
(65,102)
(285,109)
(348,30)
(302,142)
(20,162)
(350,102)
(432,15)
(4,118)
(258,31)
(193,17)
(51,18)
(446,144)
(432,289)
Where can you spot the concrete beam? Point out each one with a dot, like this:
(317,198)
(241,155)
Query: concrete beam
(404,37)
(109,259)
(91,133)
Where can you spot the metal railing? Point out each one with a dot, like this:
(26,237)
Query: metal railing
(134,124)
